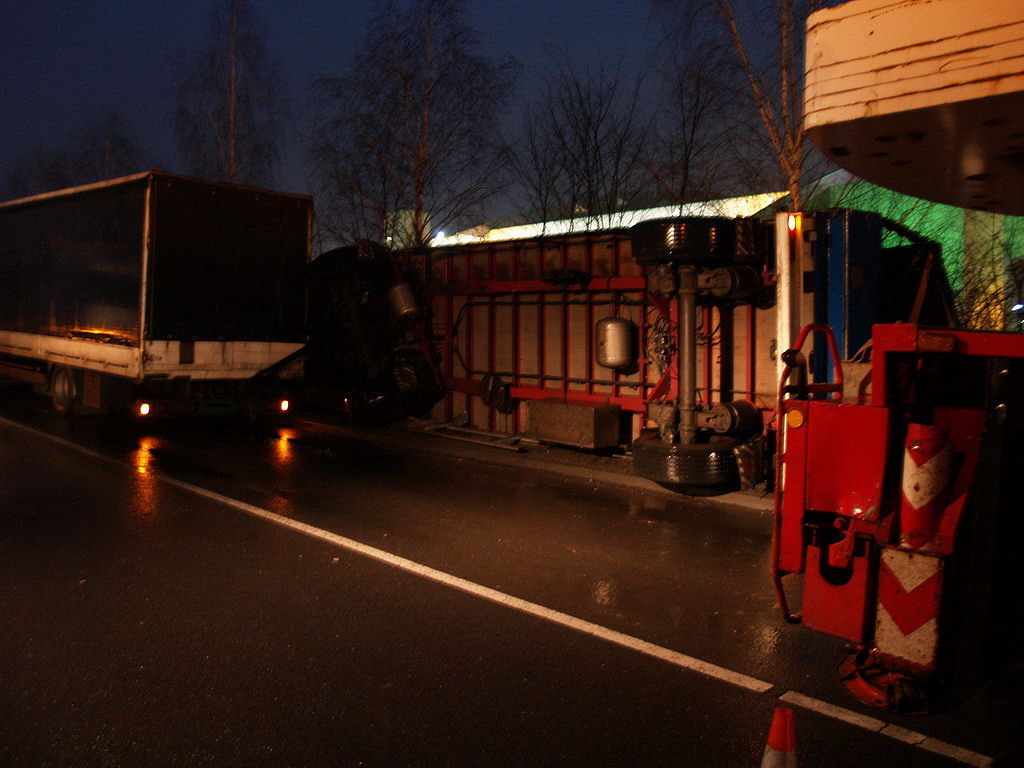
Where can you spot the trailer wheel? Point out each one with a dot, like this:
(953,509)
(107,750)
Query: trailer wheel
(701,469)
(63,390)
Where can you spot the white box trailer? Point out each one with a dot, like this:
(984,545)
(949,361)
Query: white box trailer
(153,288)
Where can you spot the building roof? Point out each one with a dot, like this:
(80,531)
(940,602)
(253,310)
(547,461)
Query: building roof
(731,207)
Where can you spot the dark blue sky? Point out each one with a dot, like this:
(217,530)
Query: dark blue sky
(67,63)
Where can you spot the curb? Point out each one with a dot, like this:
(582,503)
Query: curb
(617,471)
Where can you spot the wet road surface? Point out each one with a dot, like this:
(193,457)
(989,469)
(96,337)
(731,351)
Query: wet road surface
(148,624)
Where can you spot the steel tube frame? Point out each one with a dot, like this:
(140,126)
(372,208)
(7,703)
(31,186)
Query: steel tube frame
(686,356)
(471,298)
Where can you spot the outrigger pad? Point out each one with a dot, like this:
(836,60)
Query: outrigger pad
(895,684)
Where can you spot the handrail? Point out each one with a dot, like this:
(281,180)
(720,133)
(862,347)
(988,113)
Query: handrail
(794,359)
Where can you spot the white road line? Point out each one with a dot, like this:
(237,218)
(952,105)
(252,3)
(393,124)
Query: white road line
(524,606)
(892,731)
(627,641)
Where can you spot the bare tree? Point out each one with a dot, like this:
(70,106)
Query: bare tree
(777,89)
(229,111)
(695,121)
(110,150)
(409,142)
(768,47)
(104,150)
(356,164)
(40,170)
(582,148)
(539,188)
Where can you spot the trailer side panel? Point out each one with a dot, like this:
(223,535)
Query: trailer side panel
(70,267)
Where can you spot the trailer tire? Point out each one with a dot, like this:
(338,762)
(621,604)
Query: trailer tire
(63,390)
(700,469)
(686,240)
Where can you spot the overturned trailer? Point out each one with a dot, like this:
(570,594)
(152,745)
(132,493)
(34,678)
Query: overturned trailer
(662,338)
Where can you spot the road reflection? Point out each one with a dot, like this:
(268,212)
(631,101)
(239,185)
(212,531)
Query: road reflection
(141,459)
(284,448)
(605,593)
(284,460)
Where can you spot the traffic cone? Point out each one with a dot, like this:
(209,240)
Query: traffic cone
(781,749)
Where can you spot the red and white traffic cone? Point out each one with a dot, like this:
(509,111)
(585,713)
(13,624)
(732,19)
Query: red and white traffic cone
(781,749)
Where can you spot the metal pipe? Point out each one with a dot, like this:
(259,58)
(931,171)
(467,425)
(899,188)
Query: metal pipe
(726,347)
(552,377)
(751,352)
(686,357)
(708,362)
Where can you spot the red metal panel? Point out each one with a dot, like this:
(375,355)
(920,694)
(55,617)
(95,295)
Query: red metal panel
(847,449)
(905,337)
(492,332)
(927,474)
(492,345)
(840,609)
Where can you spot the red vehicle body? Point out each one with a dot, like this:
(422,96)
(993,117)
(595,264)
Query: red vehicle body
(894,502)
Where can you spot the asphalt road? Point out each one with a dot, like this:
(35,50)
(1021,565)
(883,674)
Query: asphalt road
(213,594)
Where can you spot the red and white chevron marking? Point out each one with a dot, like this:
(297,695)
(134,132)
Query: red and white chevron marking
(909,595)
(927,459)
